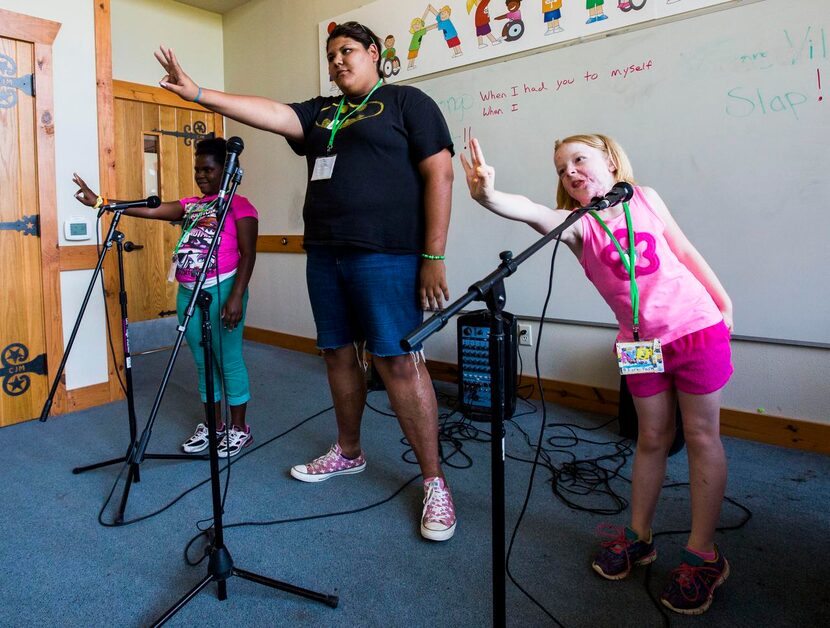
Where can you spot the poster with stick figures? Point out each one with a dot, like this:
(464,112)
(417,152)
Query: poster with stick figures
(421,37)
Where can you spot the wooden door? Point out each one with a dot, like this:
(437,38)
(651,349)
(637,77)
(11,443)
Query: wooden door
(155,139)
(24,386)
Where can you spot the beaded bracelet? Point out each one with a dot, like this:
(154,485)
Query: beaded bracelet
(198,95)
(435,257)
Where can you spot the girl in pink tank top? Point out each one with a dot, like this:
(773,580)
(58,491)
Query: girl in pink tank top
(668,301)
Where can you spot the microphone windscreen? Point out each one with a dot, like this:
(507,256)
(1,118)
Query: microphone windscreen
(625,189)
(153,201)
(235,145)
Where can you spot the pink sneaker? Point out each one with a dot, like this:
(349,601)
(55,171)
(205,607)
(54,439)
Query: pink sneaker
(438,519)
(327,466)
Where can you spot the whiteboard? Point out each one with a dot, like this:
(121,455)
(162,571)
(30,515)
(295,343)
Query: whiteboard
(725,114)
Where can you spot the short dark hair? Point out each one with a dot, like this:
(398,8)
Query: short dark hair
(215,147)
(358,32)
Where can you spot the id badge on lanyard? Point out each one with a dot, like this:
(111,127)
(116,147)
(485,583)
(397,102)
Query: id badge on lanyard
(643,356)
(324,166)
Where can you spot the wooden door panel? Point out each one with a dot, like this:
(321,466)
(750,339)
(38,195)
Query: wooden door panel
(148,291)
(23,381)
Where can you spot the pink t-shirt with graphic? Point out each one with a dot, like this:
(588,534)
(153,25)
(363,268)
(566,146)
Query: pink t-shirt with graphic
(193,250)
(673,302)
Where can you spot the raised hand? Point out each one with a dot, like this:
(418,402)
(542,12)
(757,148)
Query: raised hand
(481,178)
(175,80)
(84,194)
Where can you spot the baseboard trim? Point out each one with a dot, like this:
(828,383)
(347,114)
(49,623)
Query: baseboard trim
(762,428)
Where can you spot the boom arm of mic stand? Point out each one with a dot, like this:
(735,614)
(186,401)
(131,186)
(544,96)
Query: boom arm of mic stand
(479,290)
(137,455)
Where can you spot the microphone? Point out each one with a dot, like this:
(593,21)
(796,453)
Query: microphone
(234,147)
(620,193)
(150,201)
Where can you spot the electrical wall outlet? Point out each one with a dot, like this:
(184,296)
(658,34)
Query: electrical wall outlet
(525,335)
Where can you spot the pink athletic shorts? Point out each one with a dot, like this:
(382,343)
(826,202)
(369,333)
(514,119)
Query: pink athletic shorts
(698,363)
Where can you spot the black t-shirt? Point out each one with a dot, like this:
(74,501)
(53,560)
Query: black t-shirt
(375,197)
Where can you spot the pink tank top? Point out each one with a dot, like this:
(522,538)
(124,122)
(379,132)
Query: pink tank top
(673,303)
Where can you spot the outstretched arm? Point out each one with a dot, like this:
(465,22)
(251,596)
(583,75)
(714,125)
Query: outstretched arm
(481,180)
(255,111)
(691,257)
(165,211)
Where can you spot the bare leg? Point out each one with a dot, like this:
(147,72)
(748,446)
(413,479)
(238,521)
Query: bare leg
(348,390)
(413,400)
(707,465)
(238,416)
(656,430)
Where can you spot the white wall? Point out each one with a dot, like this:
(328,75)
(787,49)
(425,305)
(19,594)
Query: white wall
(279,39)
(140,26)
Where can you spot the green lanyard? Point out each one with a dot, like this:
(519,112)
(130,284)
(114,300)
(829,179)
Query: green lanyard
(629,261)
(337,122)
(191,219)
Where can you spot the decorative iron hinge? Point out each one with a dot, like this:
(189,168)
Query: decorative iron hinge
(196,133)
(10,83)
(15,370)
(28,225)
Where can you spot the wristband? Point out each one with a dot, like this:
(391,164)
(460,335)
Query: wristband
(198,95)
(98,202)
(433,257)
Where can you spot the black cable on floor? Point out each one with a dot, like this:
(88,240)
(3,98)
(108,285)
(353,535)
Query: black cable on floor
(249,451)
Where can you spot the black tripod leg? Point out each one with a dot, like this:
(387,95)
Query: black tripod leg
(132,475)
(97,465)
(328,600)
(181,603)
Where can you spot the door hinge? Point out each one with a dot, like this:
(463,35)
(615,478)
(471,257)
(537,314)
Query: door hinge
(10,84)
(28,225)
(16,368)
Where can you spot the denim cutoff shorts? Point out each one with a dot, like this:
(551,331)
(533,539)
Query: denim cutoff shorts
(359,295)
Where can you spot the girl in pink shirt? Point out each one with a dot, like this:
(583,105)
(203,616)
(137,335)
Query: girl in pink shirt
(683,310)
(227,280)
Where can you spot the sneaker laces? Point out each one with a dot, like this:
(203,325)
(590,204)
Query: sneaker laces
(617,541)
(320,464)
(437,504)
(690,577)
(201,430)
(233,437)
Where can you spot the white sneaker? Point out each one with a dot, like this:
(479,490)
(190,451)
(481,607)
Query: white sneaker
(199,441)
(234,441)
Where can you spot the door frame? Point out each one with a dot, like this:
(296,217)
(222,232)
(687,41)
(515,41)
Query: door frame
(41,34)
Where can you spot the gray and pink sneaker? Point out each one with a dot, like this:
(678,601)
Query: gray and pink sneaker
(328,465)
(438,518)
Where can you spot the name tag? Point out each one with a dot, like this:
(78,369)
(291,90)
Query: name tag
(644,356)
(323,167)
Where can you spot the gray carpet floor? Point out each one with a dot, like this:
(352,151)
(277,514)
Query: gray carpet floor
(61,568)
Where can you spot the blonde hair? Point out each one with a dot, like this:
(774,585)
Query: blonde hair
(610,148)
(416,25)
(471,4)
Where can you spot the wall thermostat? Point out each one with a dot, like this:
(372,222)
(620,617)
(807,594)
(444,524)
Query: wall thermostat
(77,228)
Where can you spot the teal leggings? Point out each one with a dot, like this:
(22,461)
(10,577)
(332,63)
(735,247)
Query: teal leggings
(227,345)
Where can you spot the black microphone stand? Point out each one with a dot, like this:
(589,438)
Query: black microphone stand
(491,291)
(113,235)
(220,563)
